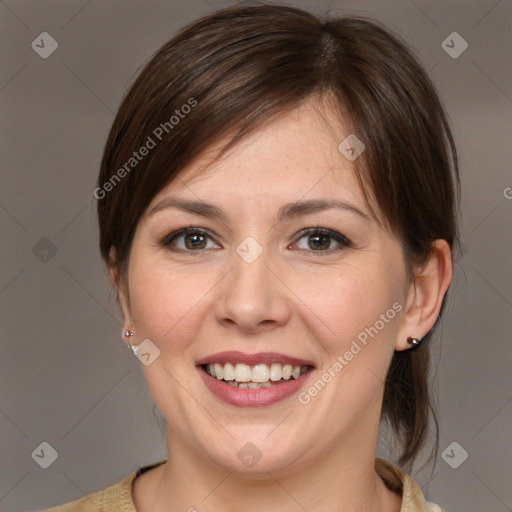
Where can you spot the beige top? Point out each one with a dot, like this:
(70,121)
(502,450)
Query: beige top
(119,496)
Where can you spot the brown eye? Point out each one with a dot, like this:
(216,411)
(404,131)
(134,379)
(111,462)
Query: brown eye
(188,239)
(321,240)
(195,241)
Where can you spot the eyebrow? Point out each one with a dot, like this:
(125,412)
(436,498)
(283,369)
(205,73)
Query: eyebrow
(286,212)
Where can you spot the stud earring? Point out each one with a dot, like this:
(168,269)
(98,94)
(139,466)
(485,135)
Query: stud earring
(415,342)
(134,348)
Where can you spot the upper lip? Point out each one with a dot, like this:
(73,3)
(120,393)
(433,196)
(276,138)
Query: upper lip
(234,356)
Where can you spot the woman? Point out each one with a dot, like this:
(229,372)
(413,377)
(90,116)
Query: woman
(277,210)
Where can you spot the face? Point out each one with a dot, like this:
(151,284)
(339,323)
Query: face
(318,287)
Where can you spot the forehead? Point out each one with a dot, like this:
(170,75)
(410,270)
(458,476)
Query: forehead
(294,155)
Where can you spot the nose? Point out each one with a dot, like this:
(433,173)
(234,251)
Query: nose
(253,297)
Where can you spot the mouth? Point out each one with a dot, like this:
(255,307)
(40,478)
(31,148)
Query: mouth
(260,375)
(254,380)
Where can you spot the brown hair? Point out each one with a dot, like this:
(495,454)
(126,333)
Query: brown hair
(237,68)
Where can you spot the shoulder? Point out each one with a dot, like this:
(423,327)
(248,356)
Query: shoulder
(116,497)
(399,481)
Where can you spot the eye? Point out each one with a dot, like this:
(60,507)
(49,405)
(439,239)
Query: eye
(187,240)
(192,239)
(320,240)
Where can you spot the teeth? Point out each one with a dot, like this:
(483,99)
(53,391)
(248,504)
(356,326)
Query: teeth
(259,375)
(249,385)
(287,371)
(243,373)
(229,372)
(219,372)
(276,371)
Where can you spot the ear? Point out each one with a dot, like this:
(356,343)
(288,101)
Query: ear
(120,288)
(425,294)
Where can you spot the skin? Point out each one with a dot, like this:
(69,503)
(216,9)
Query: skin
(292,299)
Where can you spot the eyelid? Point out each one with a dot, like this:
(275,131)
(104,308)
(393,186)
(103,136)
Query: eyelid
(170,237)
(324,231)
(341,239)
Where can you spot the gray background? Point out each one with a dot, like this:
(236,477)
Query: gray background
(67,378)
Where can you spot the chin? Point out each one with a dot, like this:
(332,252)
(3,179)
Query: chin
(256,453)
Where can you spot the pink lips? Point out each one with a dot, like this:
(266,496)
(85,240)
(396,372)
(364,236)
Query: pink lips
(252,397)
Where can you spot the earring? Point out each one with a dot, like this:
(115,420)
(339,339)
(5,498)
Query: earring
(134,348)
(415,342)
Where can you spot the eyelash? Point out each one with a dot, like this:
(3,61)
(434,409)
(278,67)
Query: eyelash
(338,237)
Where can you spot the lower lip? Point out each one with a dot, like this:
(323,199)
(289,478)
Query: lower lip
(252,397)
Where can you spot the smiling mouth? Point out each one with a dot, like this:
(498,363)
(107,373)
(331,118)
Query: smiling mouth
(243,376)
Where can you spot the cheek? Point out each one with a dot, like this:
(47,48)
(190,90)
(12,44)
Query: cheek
(359,321)
(354,316)
(347,303)
(166,303)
